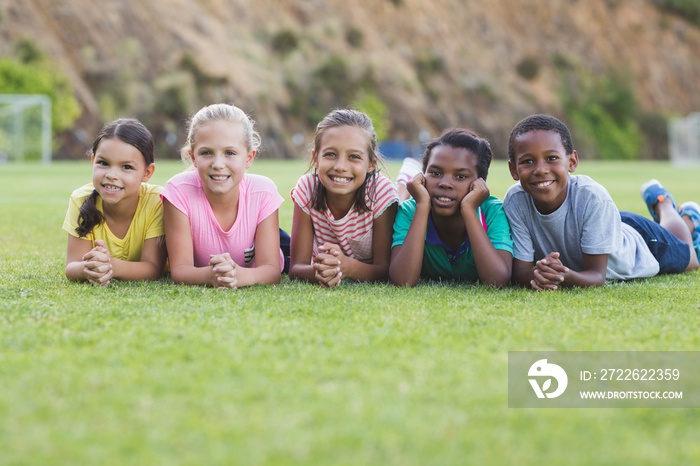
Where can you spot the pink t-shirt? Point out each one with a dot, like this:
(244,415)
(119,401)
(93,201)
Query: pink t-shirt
(353,233)
(258,198)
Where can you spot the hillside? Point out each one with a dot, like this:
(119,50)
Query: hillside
(432,64)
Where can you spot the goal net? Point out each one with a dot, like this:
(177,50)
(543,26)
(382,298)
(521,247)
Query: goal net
(25,128)
(684,140)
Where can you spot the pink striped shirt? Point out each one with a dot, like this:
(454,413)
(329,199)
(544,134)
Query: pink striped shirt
(353,233)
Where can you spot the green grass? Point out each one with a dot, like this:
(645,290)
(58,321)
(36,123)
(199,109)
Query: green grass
(155,373)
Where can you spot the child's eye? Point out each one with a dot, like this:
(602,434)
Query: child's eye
(329,154)
(230,153)
(433,173)
(356,156)
(205,152)
(461,177)
(128,167)
(101,162)
(552,158)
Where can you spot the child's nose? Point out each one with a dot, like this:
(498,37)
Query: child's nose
(341,164)
(445,183)
(541,167)
(218,161)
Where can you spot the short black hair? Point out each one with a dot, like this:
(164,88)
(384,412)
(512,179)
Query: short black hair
(460,138)
(544,123)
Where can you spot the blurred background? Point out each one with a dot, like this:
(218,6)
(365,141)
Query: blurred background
(615,71)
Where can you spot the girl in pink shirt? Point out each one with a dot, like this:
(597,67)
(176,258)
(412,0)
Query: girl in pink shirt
(222,224)
(343,212)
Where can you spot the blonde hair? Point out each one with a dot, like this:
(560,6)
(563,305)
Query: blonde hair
(220,112)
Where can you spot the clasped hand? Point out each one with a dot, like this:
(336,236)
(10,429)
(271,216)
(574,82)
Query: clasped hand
(328,264)
(549,273)
(224,271)
(98,264)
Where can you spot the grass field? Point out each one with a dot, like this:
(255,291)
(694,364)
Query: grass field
(160,374)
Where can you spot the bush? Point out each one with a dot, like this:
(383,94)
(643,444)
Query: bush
(686,9)
(654,127)
(528,68)
(369,103)
(42,77)
(334,77)
(603,137)
(561,62)
(604,115)
(355,37)
(28,52)
(284,42)
(427,65)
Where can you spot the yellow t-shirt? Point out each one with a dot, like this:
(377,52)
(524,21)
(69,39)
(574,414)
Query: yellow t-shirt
(147,222)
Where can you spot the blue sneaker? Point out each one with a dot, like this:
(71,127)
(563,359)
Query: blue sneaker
(692,211)
(653,192)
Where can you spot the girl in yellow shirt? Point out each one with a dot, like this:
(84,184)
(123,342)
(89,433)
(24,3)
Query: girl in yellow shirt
(115,223)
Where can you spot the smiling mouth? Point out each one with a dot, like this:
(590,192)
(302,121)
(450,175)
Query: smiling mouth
(543,184)
(110,188)
(340,179)
(219,177)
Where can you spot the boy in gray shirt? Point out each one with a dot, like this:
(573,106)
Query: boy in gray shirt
(566,229)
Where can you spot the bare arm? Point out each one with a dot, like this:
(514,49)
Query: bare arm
(267,255)
(407,259)
(150,267)
(549,273)
(178,239)
(493,266)
(594,272)
(301,247)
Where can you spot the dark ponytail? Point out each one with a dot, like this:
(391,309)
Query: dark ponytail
(130,131)
(89,216)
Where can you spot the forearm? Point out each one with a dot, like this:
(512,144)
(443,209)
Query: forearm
(364,272)
(144,270)
(76,271)
(583,279)
(407,260)
(494,267)
(305,272)
(262,274)
(523,273)
(187,274)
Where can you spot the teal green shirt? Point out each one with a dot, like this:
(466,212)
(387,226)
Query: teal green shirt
(441,262)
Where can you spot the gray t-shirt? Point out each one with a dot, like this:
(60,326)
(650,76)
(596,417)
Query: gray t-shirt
(588,222)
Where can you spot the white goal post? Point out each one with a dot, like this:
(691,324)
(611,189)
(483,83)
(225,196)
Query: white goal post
(684,140)
(25,127)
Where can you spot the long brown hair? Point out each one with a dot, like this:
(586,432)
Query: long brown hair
(347,117)
(130,131)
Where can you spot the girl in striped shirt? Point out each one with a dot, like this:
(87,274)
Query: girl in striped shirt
(343,212)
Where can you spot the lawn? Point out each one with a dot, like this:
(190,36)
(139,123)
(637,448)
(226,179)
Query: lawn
(157,373)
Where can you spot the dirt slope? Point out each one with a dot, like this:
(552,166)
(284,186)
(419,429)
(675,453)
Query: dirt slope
(436,63)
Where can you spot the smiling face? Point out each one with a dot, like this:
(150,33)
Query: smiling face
(542,165)
(449,174)
(221,156)
(342,161)
(118,169)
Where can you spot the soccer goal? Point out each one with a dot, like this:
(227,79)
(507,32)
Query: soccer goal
(684,140)
(25,128)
